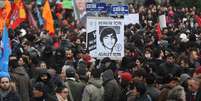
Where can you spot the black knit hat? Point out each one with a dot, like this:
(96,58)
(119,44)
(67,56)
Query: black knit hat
(70,72)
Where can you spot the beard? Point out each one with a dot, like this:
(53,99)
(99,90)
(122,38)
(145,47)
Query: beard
(5,88)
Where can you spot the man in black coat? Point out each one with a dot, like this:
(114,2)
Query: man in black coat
(169,68)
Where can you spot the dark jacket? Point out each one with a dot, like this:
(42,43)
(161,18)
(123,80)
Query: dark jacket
(22,82)
(153,92)
(198,96)
(49,85)
(139,98)
(93,91)
(111,87)
(155,63)
(11,96)
(169,69)
(44,98)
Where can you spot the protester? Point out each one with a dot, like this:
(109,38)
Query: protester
(169,68)
(47,53)
(111,87)
(39,93)
(94,90)
(194,86)
(8,90)
(62,93)
(45,78)
(138,93)
(76,88)
(22,80)
(151,87)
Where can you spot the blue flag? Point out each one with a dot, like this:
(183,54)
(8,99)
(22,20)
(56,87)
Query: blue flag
(39,17)
(5,51)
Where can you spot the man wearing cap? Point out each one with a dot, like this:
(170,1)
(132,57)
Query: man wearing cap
(125,79)
(75,88)
(7,92)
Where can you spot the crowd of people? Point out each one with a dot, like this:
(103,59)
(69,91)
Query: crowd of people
(157,66)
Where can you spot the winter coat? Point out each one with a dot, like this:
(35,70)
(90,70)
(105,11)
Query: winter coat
(76,89)
(49,85)
(22,82)
(164,92)
(169,69)
(94,91)
(155,63)
(111,87)
(176,94)
(11,96)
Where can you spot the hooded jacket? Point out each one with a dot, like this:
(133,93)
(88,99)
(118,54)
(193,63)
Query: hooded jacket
(49,85)
(94,91)
(111,87)
(22,82)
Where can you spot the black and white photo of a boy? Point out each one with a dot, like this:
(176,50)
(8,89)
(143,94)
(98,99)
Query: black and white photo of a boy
(108,38)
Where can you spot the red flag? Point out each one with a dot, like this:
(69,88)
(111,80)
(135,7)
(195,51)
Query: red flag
(198,20)
(158,31)
(18,15)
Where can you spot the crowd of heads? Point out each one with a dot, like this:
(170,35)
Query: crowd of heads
(163,67)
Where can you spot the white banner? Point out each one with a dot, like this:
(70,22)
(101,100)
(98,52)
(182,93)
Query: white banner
(131,19)
(105,37)
(162,21)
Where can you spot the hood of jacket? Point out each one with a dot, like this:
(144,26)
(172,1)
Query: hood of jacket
(96,82)
(20,70)
(108,75)
(42,72)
